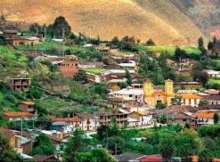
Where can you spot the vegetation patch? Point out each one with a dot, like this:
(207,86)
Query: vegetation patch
(95,71)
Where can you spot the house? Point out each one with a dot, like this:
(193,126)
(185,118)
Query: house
(66,124)
(189,97)
(151,158)
(211,91)
(188,85)
(45,158)
(203,117)
(21,142)
(138,119)
(68,65)
(152,96)
(114,84)
(19,84)
(116,74)
(27,106)
(212,73)
(19,40)
(176,113)
(17,116)
(58,138)
(128,65)
(62,126)
(107,118)
(89,121)
(128,157)
(126,97)
(9,33)
(213,99)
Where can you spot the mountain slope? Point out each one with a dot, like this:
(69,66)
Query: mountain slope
(160,20)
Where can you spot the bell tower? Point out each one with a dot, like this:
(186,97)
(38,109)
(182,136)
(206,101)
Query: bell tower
(169,87)
(148,88)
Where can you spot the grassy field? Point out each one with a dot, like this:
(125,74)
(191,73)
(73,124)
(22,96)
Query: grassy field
(95,71)
(12,62)
(170,50)
(214,83)
(56,48)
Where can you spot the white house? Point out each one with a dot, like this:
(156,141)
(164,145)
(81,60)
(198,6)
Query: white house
(212,73)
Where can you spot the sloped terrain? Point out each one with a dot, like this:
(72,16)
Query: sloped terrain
(160,20)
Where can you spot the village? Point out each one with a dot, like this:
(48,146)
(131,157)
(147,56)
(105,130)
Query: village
(132,100)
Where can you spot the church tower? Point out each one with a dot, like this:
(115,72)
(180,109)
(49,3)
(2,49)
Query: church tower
(169,87)
(148,88)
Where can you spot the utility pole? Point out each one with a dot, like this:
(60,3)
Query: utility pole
(63,36)
(21,125)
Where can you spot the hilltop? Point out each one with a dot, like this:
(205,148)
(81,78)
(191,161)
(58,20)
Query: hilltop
(161,20)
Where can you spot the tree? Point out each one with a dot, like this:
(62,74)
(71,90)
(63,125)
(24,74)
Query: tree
(76,144)
(128,43)
(204,156)
(100,89)
(43,145)
(128,77)
(149,68)
(162,119)
(210,46)
(160,105)
(167,148)
(150,42)
(96,155)
(81,76)
(102,132)
(216,118)
(6,152)
(180,54)
(3,40)
(102,155)
(187,143)
(201,46)
(203,103)
(198,73)
(200,43)
(61,27)
(115,144)
(35,28)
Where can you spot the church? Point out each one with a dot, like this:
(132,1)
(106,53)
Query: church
(154,95)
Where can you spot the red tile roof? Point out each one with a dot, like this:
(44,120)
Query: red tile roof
(151,158)
(17,114)
(67,119)
(204,115)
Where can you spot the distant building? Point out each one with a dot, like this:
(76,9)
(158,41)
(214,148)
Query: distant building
(153,96)
(129,157)
(45,158)
(19,84)
(16,41)
(107,118)
(188,85)
(66,123)
(189,98)
(20,143)
(17,116)
(212,73)
(137,119)
(203,117)
(127,97)
(27,106)
(89,121)
(116,74)
(213,99)
(68,65)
